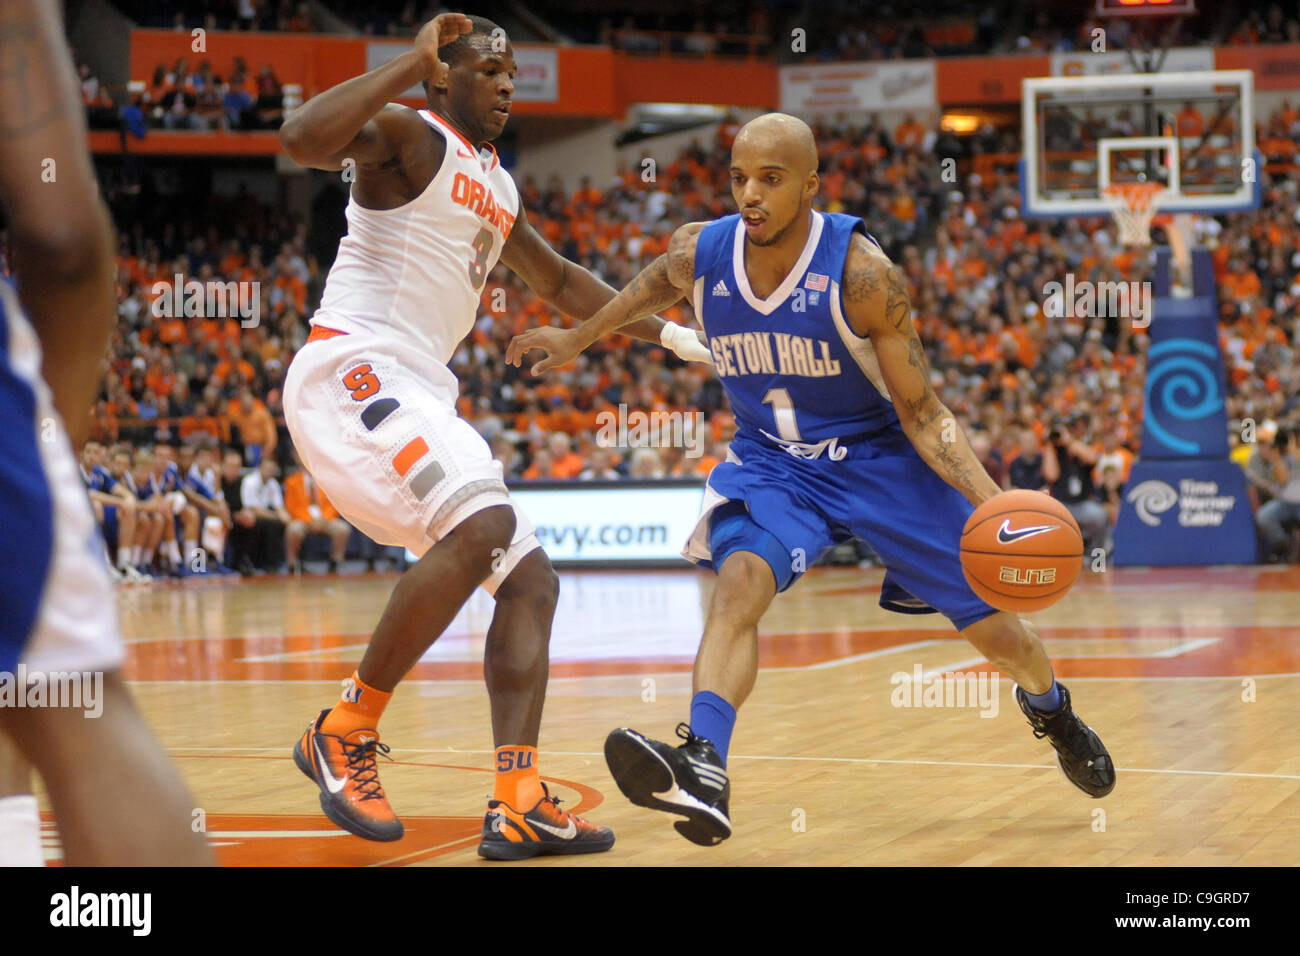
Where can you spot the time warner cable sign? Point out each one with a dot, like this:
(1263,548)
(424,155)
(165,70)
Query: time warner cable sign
(1185,502)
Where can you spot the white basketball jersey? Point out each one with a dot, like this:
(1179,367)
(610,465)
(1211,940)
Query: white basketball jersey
(414,274)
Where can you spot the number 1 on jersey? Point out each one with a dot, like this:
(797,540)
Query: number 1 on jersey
(783,410)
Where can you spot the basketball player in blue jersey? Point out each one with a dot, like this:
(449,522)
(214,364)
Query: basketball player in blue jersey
(839,435)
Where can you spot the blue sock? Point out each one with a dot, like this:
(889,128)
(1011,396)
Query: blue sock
(1048,702)
(714,719)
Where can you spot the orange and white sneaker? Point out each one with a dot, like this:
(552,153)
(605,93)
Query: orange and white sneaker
(545,829)
(344,769)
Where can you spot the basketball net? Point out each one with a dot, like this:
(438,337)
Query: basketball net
(1134,205)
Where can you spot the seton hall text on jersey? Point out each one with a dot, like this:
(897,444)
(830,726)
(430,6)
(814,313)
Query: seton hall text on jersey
(772,353)
(477,197)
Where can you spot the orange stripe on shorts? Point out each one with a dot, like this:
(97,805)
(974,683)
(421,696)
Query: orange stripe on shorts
(414,450)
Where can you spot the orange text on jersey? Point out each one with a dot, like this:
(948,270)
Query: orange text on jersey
(472,194)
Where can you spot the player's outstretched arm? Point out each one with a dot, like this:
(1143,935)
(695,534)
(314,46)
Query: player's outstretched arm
(876,304)
(354,121)
(576,292)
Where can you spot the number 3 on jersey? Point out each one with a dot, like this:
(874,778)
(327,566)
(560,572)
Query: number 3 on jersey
(783,411)
(478,266)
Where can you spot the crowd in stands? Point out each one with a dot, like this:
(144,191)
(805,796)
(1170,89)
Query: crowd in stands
(1051,403)
(285,16)
(835,29)
(184,97)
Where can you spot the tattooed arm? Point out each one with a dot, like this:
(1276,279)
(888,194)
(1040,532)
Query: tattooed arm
(564,284)
(658,286)
(876,304)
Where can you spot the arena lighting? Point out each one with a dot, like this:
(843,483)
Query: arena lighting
(678,112)
(1126,8)
(960,123)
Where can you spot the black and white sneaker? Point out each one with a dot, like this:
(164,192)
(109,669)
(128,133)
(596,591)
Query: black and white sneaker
(1079,751)
(687,781)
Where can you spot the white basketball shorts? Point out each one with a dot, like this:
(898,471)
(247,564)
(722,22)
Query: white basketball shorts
(376,425)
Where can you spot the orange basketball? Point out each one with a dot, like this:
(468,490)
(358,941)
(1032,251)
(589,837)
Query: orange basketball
(1021,551)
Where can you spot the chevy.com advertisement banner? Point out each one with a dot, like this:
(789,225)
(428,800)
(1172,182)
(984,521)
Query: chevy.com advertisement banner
(631,523)
(612,523)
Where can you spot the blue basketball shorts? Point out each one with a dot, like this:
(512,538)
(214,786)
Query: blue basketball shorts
(790,511)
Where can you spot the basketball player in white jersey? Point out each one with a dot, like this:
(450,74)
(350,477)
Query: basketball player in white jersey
(370,404)
(116,797)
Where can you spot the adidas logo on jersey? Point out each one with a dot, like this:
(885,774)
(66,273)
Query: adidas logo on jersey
(721,288)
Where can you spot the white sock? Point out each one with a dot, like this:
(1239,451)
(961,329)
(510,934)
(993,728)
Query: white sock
(146,558)
(136,553)
(214,536)
(190,548)
(170,550)
(123,557)
(20,831)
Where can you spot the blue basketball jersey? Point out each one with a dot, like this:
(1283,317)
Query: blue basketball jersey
(201,483)
(98,479)
(169,482)
(794,371)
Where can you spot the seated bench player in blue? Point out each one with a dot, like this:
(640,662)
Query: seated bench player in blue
(839,435)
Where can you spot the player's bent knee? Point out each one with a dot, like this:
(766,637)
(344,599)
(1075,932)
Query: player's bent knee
(745,573)
(484,537)
(533,581)
(732,534)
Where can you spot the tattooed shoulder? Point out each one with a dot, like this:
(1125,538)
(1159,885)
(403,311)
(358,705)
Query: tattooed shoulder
(681,255)
(863,272)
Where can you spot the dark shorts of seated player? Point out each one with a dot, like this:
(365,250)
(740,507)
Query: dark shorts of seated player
(789,511)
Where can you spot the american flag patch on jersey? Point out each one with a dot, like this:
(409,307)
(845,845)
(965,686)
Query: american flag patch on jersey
(815,282)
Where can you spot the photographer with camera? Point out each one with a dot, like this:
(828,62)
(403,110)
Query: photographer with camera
(1282,511)
(1068,461)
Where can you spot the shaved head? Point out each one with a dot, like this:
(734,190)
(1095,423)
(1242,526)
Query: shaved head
(780,139)
(774,178)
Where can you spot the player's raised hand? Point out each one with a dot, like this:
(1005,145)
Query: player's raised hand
(561,346)
(438,32)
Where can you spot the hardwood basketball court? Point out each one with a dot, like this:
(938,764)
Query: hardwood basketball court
(1191,676)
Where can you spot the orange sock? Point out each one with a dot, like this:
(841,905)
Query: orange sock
(359,708)
(518,783)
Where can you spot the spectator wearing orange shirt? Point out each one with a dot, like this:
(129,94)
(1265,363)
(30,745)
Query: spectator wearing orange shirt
(541,469)
(256,428)
(565,464)
(909,132)
(587,193)
(310,512)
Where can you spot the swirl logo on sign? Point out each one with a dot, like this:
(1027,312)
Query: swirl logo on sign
(1150,499)
(1182,384)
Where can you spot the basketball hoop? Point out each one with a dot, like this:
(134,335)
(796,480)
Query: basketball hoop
(1134,205)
